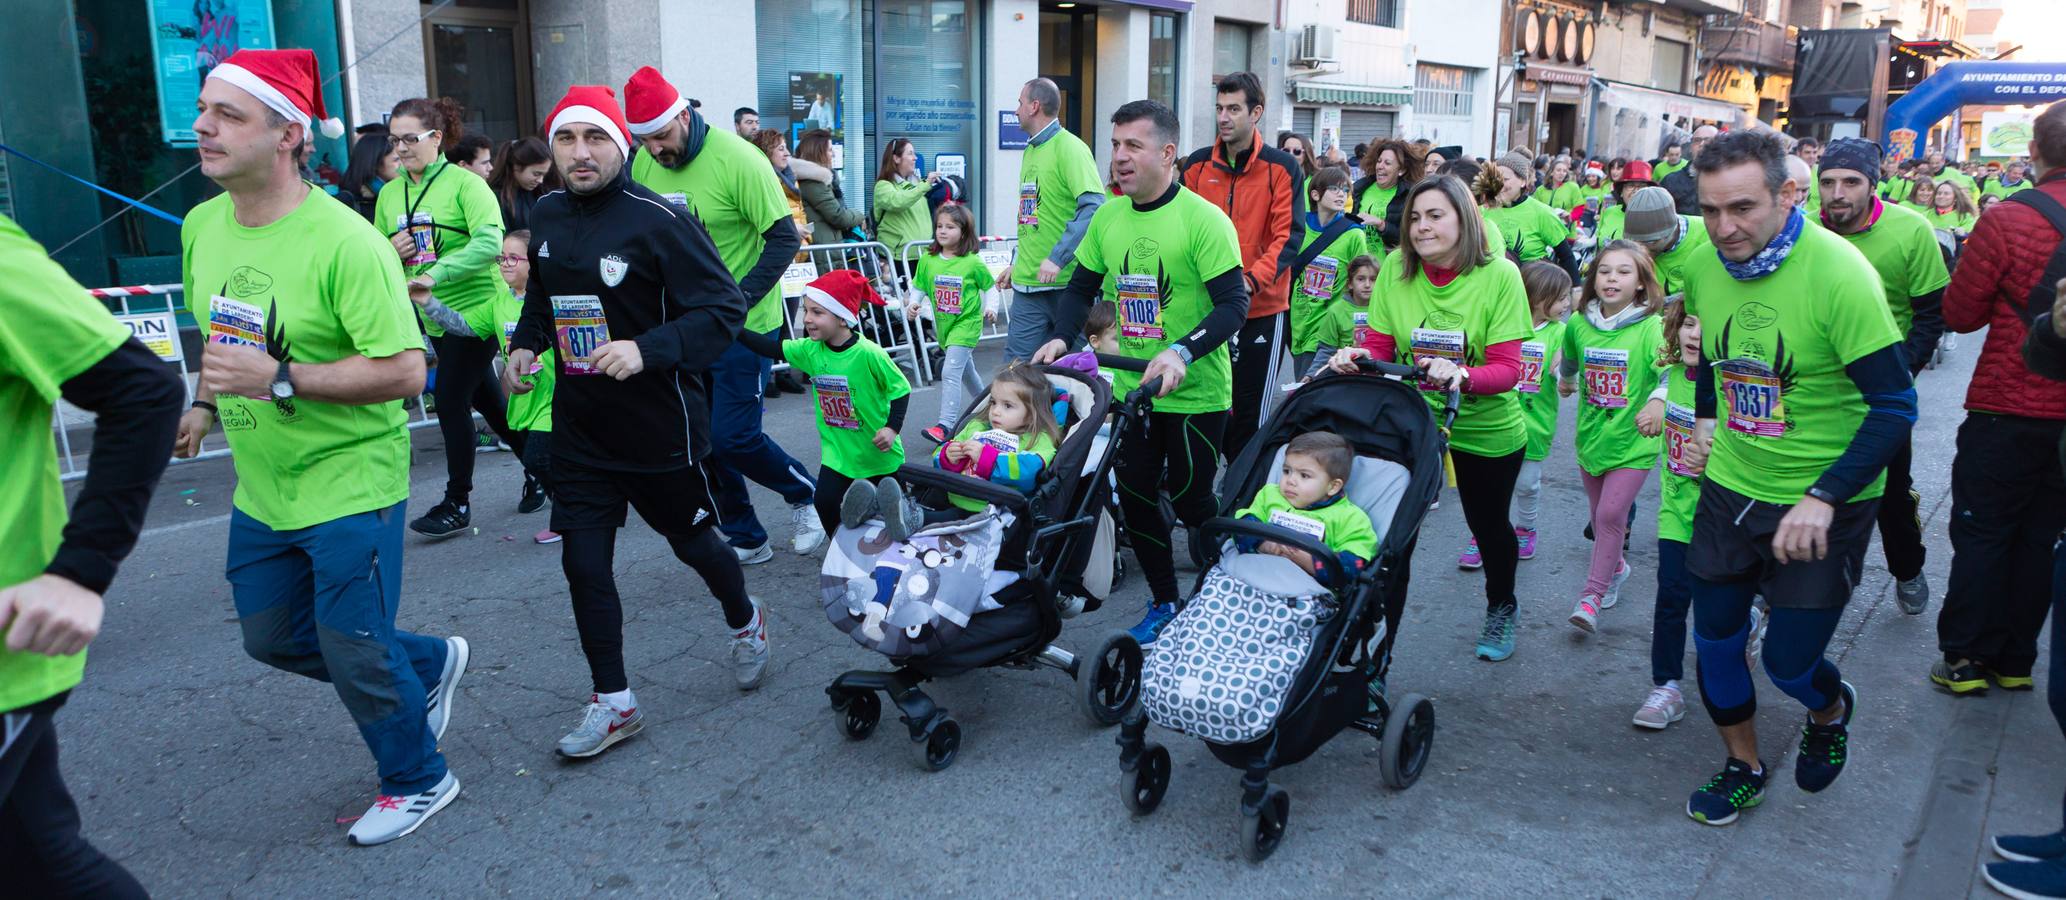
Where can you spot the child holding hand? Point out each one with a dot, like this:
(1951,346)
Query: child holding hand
(1678,492)
(1346,321)
(1308,498)
(531,411)
(954,278)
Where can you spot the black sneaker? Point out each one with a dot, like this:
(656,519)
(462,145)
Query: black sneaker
(444,520)
(534,496)
(1731,791)
(1825,748)
(1960,678)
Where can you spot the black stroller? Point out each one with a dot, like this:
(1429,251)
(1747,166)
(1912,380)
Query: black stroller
(992,590)
(1270,694)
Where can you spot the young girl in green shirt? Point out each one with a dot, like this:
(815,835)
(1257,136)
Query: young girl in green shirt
(1671,415)
(1318,285)
(1610,355)
(957,282)
(1549,302)
(1347,321)
(531,412)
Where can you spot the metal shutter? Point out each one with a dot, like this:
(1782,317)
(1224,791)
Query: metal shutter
(1303,121)
(1362,126)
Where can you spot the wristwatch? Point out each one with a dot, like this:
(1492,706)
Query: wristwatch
(1182,352)
(283,383)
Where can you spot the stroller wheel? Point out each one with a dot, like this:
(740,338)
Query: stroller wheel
(1409,736)
(1108,683)
(858,717)
(940,747)
(1262,832)
(1142,789)
(1070,605)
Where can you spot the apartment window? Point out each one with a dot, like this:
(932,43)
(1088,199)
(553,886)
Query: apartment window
(1231,43)
(1162,74)
(1440,90)
(1668,65)
(1384,13)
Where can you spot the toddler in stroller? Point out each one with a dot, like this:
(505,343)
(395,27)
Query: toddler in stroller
(1278,651)
(985,587)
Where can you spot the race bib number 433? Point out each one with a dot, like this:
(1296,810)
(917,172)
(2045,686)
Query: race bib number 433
(581,329)
(1606,377)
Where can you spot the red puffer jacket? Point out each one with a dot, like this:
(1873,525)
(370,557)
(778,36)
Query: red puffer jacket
(2006,253)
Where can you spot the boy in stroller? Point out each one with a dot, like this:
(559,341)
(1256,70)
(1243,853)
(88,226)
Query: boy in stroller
(1308,498)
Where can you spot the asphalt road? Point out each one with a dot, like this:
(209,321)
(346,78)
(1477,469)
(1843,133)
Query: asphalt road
(210,775)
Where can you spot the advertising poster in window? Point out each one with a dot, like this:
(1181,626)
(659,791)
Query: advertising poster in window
(189,38)
(814,103)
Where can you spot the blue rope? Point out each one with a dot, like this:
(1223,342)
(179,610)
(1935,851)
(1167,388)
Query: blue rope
(139,204)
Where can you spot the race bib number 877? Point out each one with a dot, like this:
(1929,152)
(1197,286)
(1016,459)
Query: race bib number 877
(581,330)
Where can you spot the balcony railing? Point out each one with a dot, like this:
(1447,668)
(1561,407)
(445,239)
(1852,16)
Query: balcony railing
(1748,43)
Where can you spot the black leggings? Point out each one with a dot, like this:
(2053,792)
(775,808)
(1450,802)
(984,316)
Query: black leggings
(466,378)
(1900,521)
(1179,452)
(587,556)
(1485,486)
(537,457)
(830,491)
(41,850)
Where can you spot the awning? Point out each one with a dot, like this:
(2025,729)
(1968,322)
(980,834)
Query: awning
(1671,104)
(1351,94)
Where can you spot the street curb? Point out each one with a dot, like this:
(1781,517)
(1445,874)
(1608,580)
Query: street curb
(1943,854)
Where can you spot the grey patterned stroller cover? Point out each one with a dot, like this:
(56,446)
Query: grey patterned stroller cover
(935,582)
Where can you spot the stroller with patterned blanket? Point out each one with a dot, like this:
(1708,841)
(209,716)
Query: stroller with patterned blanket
(1263,662)
(989,590)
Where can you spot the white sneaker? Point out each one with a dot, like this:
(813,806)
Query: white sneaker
(1755,647)
(438,701)
(392,817)
(810,534)
(1585,616)
(602,726)
(750,652)
(753,556)
(1613,594)
(1664,706)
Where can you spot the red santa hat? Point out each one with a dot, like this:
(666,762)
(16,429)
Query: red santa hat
(591,104)
(650,102)
(285,81)
(841,292)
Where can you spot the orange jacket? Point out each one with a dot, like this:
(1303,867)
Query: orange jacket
(1264,194)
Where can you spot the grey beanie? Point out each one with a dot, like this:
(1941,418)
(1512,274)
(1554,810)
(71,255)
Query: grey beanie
(1651,216)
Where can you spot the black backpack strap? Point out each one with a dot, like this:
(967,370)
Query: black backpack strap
(1342,224)
(2040,299)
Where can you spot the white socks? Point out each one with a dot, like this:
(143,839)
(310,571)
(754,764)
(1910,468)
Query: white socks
(621,701)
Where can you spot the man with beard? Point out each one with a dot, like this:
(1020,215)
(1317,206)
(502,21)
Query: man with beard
(726,183)
(1900,245)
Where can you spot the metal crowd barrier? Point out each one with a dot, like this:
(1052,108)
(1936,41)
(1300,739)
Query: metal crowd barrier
(997,253)
(152,315)
(885,325)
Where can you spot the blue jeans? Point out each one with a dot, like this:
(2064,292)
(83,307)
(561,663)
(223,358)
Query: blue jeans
(740,448)
(1668,621)
(1031,323)
(320,601)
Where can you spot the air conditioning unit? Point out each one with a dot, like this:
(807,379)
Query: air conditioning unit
(1316,44)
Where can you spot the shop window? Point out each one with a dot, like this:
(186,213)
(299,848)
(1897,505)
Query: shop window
(1382,13)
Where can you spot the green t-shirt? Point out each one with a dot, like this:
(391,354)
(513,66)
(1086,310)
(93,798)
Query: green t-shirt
(1341,525)
(1902,247)
(1343,324)
(1155,265)
(1671,264)
(1617,372)
(1052,174)
(852,390)
(1813,205)
(1662,169)
(531,411)
(1678,488)
(1602,192)
(1779,345)
(901,213)
(1895,190)
(317,286)
(1374,201)
(51,333)
(1322,283)
(736,194)
(1008,447)
(1949,221)
(1995,188)
(1959,178)
(1457,321)
(1538,387)
(1529,228)
(1565,198)
(956,288)
(1610,225)
(465,235)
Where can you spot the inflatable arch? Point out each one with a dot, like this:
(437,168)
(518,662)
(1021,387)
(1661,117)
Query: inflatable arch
(1908,119)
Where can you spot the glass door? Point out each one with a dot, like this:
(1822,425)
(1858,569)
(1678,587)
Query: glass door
(479,54)
(1068,56)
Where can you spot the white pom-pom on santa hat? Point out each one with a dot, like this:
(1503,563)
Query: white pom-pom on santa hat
(285,81)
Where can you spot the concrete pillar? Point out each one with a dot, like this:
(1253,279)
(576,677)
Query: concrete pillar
(708,48)
(1122,73)
(395,72)
(1011,56)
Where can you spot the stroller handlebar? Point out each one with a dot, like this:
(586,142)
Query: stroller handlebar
(1451,402)
(1147,390)
(1225,527)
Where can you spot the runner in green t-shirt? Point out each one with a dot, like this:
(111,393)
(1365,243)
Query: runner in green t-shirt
(2008,182)
(1609,360)
(1170,262)
(1331,240)
(446,225)
(1903,249)
(1673,161)
(529,412)
(1951,208)
(1060,188)
(57,341)
(1460,315)
(1389,167)
(1670,411)
(1560,193)
(1673,241)
(726,183)
(956,282)
(1801,360)
(1532,230)
(1549,304)
(311,348)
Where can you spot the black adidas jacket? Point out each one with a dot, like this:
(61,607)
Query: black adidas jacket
(662,285)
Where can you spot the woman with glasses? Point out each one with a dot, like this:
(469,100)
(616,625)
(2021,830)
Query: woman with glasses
(447,227)
(1301,149)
